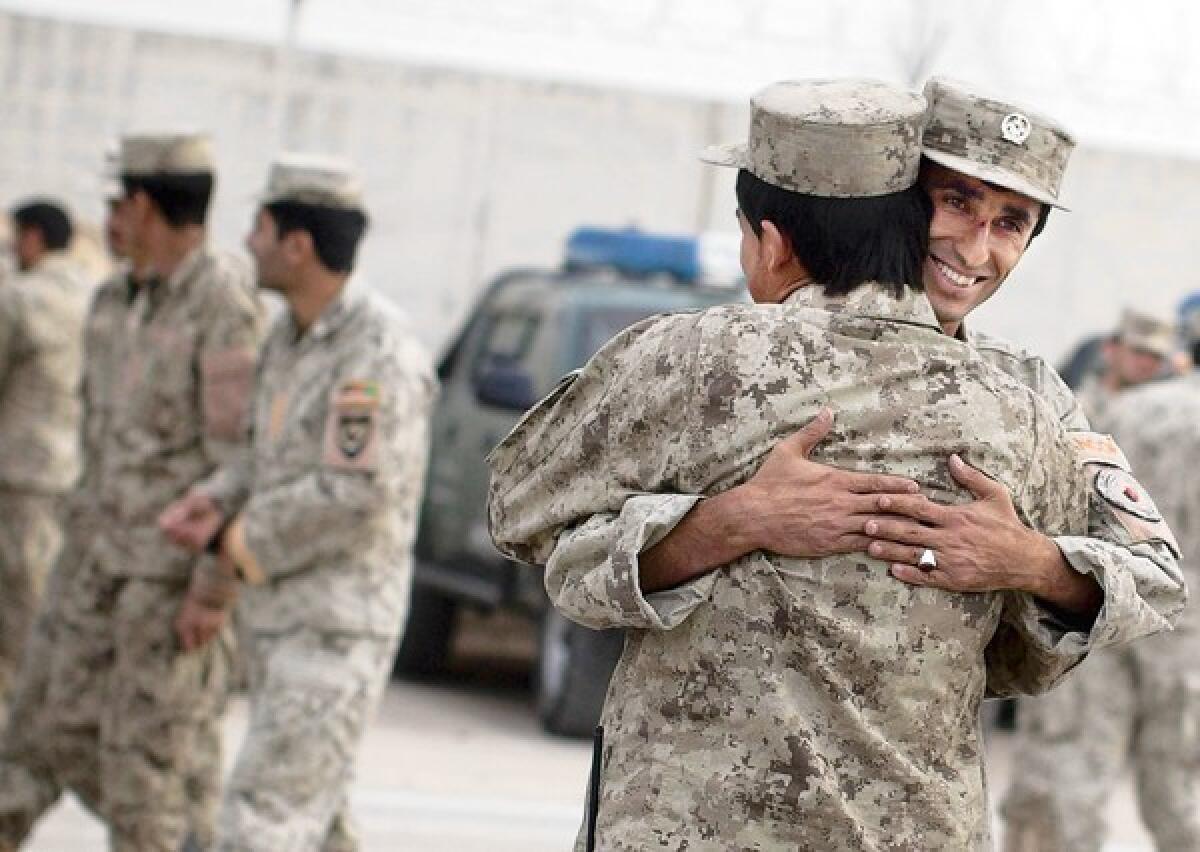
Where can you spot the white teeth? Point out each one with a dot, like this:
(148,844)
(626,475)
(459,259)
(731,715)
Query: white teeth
(955,277)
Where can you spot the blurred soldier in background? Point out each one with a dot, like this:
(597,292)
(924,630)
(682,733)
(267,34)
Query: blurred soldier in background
(41,341)
(113,707)
(318,521)
(1140,702)
(1140,350)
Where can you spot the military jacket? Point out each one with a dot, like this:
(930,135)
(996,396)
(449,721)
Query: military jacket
(1137,566)
(330,493)
(41,347)
(168,372)
(779,702)
(1158,426)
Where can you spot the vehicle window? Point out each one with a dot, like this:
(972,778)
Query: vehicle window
(599,325)
(507,340)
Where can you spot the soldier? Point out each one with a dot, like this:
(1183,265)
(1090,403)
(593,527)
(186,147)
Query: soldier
(319,521)
(41,342)
(781,701)
(1140,350)
(113,706)
(993,171)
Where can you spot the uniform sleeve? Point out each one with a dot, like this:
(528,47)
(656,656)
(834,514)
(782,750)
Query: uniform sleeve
(1142,581)
(578,486)
(373,455)
(228,355)
(10,316)
(1033,647)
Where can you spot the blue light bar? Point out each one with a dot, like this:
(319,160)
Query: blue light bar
(634,252)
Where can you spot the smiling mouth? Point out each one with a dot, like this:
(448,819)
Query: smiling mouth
(954,277)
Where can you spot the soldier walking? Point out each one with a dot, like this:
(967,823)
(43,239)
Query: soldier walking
(316,526)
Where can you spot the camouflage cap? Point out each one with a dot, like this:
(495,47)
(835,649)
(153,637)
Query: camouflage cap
(833,138)
(1146,332)
(996,141)
(313,179)
(165,154)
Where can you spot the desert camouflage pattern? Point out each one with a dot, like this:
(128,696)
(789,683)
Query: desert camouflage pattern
(115,711)
(1140,702)
(996,141)
(832,138)
(314,180)
(312,391)
(146,154)
(328,497)
(783,703)
(41,351)
(312,693)
(170,366)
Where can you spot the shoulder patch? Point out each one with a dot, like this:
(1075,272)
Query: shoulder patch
(1120,489)
(1097,448)
(352,428)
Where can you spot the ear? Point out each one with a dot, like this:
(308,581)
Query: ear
(775,247)
(297,247)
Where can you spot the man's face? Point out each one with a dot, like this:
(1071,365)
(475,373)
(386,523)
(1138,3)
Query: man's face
(977,235)
(115,236)
(28,247)
(264,245)
(1132,366)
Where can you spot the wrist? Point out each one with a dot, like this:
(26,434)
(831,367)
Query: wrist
(737,520)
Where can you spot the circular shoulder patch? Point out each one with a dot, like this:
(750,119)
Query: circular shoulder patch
(1120,489)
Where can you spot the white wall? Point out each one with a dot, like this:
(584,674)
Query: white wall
(468,173)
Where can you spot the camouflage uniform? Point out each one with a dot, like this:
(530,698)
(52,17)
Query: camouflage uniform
(327,506)
(41,342)
(1143,700)
(762,705)
(112,709)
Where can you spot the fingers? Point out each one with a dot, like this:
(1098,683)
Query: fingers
(889,551)
(914,506)
(901,532)
(880,483)
(974,480)
(812,432)
(916,577)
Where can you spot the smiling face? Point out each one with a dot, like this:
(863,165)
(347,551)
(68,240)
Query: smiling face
(978,233)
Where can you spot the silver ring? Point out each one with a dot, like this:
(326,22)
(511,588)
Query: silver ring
(928,560)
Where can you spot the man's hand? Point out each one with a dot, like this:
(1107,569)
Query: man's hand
(197,623)
(980,546)
(791,506)
(804,509)
(191,521)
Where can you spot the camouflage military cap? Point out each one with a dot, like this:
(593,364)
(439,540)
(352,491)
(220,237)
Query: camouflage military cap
(832,138)
(165,154)
(316,180)
(1146,332)
(996,141)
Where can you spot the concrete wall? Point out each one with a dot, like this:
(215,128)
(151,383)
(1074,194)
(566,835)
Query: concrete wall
(469,173)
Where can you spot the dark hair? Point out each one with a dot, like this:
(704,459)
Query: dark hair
(182,199)
(335,232)
(1038,226)
(845,242)
(48,218)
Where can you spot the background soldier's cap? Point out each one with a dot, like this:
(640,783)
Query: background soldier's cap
(166,154)
(1146,332)
(833,138)
(996,141)
(315,180)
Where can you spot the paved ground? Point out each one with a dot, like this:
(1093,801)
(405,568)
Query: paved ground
(460,766)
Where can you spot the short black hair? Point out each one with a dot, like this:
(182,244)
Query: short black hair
(181,198)
(47,217)
(845,242)
(335,232)
(1040,225)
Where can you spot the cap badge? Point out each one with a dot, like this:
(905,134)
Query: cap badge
(1015,128)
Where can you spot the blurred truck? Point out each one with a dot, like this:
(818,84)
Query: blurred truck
(529,328)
